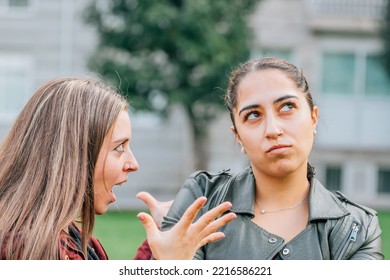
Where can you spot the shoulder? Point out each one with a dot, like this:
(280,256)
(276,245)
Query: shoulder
(356,235)
(326,204)
(70,246)
(206,183)
(68,249)
(210,175)
(353,207)
(98,248)
(200,183)
(363,218)
(220,186)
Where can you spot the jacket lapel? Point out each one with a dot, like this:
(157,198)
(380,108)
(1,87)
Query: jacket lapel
(323,204)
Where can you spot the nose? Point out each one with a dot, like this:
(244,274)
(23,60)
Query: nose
(272,130)
(131,163)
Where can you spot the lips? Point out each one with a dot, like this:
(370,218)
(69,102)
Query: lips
(279,147)
(113,197)
(120,183)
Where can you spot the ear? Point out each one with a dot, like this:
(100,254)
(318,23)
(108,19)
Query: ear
(314,116)
(238,138)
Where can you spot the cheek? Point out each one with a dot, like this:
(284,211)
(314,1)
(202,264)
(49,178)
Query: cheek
(306,135)
(99,167)
(112,169)
(251,138)
(98,176)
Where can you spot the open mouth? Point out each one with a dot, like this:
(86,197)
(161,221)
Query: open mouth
(113,196)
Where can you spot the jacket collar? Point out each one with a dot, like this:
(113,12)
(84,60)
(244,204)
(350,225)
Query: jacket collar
(241,192)
(322,203)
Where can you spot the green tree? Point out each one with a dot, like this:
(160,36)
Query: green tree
(172,51)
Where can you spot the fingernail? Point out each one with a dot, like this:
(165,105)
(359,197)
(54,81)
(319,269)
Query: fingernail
(141,217)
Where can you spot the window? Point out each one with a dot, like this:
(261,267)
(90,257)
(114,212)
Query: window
(18,3)
(16,7)
(14,4)
(384,180)
(377,80)
(338,73)
(333,178)
(354,74)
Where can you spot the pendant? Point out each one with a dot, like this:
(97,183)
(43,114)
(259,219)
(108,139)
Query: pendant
(262,211)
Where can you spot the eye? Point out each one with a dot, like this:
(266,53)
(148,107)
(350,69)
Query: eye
(120,148)
(251,115)
(288,106)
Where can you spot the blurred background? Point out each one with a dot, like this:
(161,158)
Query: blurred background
(172,59)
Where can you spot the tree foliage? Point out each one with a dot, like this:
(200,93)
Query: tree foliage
(171,51)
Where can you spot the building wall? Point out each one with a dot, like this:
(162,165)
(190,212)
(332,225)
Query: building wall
(44,40)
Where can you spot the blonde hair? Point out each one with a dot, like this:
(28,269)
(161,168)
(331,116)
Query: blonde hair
(47,164)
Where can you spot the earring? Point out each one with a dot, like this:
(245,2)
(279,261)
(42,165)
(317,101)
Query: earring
(243,150)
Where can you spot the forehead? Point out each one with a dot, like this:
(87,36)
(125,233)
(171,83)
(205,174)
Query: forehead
(267,79)
(122,126)
(270,83)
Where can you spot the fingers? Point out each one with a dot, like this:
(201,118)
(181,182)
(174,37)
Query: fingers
(149,225)
(190,214)
(211,238)
(212,214)
(147,198)
(217,224)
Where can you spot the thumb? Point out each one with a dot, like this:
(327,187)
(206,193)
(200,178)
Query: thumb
(149,225)
(147,198)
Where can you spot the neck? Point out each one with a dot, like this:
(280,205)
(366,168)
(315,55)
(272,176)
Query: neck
(281,191)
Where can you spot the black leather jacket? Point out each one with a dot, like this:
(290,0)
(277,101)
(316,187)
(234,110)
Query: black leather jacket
(337,228)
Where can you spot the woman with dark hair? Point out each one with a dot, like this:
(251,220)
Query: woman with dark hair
(283,211)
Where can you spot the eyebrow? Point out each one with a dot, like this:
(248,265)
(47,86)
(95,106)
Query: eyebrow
(121,140)
(280,99)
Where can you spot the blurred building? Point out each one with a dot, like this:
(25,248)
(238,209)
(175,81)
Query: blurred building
(336,42)
(39,40)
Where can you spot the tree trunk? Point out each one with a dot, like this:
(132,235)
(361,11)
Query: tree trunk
(201,140)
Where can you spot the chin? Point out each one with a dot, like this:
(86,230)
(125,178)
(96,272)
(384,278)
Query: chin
(283,169)
(101,210)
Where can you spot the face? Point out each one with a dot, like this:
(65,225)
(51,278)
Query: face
(274,123)
(114,162)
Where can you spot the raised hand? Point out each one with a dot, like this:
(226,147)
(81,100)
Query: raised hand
(186,237)
(157,208)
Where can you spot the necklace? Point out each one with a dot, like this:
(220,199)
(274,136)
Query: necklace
(264,211)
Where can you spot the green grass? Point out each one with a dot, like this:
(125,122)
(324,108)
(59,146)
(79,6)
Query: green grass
(384,221)
(121,233)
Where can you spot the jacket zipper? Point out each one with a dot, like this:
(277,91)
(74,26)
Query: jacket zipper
(351,238)
(354,232)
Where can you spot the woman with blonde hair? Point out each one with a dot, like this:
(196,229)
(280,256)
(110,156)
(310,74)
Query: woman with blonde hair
(66,151)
